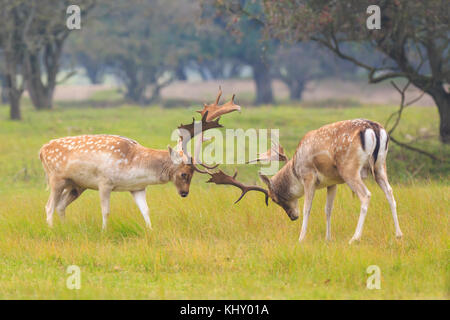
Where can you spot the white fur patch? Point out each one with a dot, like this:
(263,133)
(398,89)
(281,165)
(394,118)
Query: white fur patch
(382,153)
(370,141)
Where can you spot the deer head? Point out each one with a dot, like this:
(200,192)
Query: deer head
(280,193)
(183,163)
(183,171)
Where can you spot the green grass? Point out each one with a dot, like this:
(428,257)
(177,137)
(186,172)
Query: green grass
(205,247)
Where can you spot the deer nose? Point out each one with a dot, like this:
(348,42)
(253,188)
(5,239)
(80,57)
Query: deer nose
(184,193)
(293,214)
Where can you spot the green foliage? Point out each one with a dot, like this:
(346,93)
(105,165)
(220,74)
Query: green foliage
(141,42)
(413,38)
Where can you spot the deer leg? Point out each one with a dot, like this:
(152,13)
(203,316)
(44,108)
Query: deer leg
(309,195)
(105,193)
(141,202)
(60,205)
(56,190)
(331,194)
(382,180)
(69,195)
(49,208)
(358,187)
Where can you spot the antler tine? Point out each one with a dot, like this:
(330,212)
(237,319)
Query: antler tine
(216,110)
(222,178)
(273,143)
(255,188)
(199,170)
(208,167)
(218,95)
(192,163)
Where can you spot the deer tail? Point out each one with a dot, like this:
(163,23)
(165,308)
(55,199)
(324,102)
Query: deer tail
(368,146)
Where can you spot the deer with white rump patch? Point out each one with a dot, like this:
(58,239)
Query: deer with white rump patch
(341,152)
(112,163)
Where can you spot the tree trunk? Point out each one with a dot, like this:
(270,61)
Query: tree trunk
(181,73)
(14,95)
(93,75)
(135,91)
(296,89)
(13,91)
(41,96)
(14,102)
(4,94)
(263,81)
(92,67)
(442,100)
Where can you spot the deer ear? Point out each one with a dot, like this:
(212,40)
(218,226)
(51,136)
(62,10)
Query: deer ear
(174,155)
(265,179)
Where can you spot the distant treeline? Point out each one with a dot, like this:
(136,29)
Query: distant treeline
(147,44)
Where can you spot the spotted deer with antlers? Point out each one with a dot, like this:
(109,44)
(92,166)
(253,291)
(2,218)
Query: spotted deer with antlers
(110,163)
(341,152)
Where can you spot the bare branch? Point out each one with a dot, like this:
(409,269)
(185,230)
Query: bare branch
(409,147)
(399,112)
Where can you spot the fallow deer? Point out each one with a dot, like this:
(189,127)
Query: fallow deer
(341,152)
(113,163)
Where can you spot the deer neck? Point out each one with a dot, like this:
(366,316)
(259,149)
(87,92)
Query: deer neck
(158,164)
(286,183)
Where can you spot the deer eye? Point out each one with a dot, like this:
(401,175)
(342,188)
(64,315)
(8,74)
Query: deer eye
(184,175)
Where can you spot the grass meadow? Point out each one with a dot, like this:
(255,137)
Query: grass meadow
(204,246)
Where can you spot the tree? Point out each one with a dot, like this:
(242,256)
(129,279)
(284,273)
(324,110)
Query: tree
(44,43)
(246,43)
(89,50)
(3,88)
(141,42)
(215,52)
(14,25)
(32,35)
(4,93)
(413,39)
(299,63)
(295,66)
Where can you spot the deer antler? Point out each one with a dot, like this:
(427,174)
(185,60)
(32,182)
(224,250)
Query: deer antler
(191,133)
(222,178)
(215,111)
(276,153)
(205,125)
(210,119)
